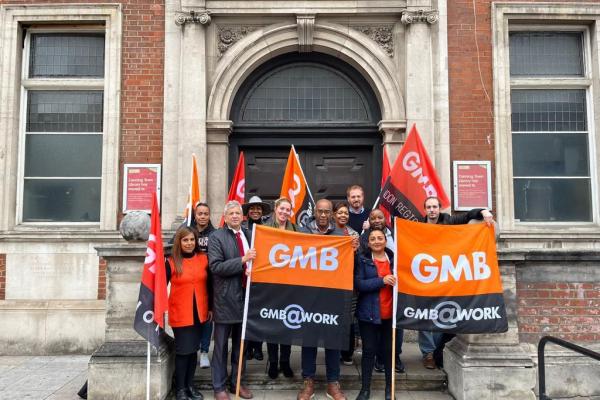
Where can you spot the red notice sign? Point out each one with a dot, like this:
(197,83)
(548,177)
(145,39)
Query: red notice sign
(472,185)
(139,183)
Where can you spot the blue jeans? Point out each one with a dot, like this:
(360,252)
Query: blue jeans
(332,363)
(205,334)
(429,341)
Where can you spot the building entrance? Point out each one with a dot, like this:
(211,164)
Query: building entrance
(321,105)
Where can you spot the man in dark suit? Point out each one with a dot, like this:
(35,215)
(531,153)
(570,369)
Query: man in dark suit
(228,252)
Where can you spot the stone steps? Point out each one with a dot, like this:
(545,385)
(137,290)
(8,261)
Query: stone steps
(416,377)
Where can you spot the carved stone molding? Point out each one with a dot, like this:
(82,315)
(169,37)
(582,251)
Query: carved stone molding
(306,28)
(411,17)
(380,34)
(195,17)
(228,35)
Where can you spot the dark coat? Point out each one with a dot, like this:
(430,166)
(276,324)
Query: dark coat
(368,284)
(458,219)
(225,265)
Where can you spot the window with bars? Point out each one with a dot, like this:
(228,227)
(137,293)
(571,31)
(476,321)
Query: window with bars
(550,129)
(63,124)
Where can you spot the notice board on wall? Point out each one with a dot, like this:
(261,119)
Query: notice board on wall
(472,185)
(140,181)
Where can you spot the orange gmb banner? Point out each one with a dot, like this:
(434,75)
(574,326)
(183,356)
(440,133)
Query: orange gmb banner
(446,260)
(291,258)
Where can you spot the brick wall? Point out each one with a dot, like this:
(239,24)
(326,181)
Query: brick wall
(570,311)
(141,79)
(567,310)
(2,276)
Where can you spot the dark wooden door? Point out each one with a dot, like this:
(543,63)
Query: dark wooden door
(329,170)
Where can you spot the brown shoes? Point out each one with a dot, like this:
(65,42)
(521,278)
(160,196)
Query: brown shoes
(245,393)
(334,391)
(222,396)
(308,392)
(428,361)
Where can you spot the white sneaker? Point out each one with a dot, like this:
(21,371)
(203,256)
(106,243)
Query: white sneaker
(204,362)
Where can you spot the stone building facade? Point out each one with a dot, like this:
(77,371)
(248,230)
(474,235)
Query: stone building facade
(516,83)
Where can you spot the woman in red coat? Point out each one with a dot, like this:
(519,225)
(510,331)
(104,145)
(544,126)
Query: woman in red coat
(187,270)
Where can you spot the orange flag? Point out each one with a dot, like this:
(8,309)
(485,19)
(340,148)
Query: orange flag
(448,278)
(295,188)
(194,193)
(237,190)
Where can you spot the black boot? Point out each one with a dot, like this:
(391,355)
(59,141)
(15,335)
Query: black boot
(286,369)
(194,393)
(364,394)
(273,370)
(258,353)
(182,394)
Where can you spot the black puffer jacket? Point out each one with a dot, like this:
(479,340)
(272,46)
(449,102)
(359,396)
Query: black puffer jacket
(225,265)
(458,219)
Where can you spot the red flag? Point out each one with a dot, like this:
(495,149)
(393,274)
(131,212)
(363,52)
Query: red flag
(412,180)
(385,172)
(237,190)
(295,188)
(385,167)
(152,301)
(194,194)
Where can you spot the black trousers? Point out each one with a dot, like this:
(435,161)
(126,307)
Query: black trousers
(372,335)
(279,353)
(219,359)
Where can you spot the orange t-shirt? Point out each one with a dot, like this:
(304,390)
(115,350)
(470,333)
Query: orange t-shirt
(385,293)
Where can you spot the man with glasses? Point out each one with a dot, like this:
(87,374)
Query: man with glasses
(321,225)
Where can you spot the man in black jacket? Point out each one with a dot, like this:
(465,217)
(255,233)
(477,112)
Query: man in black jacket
(228,252)
(321,225)
(432,344)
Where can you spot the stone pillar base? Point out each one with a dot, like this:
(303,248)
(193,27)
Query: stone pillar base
(116,365)
(484,371)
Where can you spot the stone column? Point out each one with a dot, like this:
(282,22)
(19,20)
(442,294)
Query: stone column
(419,70)
(117,370)
(492,366)
(394,136)
(184,130)
(218,158)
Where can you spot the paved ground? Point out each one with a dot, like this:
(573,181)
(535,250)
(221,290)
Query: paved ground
(60,377)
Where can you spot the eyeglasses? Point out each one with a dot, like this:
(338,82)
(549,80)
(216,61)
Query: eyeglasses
(324,212)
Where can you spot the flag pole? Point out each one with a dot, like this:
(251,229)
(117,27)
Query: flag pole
(148,372)
(244,320)
(394,309)
(303,176)
(189,205)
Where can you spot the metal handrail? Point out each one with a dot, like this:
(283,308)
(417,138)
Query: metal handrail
(541,362)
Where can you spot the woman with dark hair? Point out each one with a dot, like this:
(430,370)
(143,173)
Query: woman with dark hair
(374,281)
(341,216)
(189,309)
(279,355)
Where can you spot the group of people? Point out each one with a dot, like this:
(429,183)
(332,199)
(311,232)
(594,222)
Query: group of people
(207,272)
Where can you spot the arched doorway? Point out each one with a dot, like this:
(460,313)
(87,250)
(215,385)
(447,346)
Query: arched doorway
(321,105)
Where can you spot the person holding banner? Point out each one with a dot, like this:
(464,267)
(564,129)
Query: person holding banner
(228,253)
(256,211)
(189,309)
(432,343)
(279,355)
(341,215)
(321,225)
(375,281)
(377,220)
